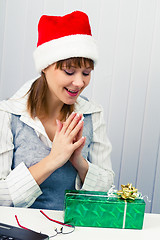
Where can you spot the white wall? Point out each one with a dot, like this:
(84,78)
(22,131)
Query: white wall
(126,80)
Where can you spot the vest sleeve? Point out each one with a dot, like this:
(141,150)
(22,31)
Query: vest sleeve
(100,175)
(17,187)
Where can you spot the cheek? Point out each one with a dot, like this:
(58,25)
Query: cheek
(87,81)
(53,81)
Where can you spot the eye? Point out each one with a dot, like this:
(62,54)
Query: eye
(86,73)
(69,72)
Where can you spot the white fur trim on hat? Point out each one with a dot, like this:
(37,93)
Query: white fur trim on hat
(63,48)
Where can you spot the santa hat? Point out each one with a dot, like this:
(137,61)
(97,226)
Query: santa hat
(62,37)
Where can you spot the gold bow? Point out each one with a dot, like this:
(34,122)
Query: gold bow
(128,192)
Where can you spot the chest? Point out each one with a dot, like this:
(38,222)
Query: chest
(50,127)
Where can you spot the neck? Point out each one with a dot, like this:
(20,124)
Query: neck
(54,106)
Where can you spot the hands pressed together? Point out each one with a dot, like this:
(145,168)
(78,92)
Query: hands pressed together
(68,143)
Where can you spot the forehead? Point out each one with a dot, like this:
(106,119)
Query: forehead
(75,62)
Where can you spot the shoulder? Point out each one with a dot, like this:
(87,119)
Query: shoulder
(4,117)
(85,106)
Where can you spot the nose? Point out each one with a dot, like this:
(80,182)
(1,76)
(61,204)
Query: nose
(78,81)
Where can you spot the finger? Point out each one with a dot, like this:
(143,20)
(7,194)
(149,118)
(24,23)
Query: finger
(73,123)
(77,130)
(79,143)
(83,142)
(80,133)
(68,121)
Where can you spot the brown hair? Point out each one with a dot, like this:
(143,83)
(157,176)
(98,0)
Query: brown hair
(37,100)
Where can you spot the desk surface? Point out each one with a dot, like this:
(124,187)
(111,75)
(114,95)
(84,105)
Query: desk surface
(33,219)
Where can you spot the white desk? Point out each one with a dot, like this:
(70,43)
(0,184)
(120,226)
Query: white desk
(33,219)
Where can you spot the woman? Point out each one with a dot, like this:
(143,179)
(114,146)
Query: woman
(53,139)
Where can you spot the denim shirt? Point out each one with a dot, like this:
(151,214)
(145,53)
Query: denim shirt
(28,148)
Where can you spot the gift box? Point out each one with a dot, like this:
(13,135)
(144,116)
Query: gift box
(98,209)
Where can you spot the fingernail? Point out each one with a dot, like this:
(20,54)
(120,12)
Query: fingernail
(80,122)
(77,115)
(57,121)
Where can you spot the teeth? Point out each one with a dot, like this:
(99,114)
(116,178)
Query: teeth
(71,91)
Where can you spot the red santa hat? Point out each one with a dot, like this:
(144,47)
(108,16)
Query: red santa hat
(62,37)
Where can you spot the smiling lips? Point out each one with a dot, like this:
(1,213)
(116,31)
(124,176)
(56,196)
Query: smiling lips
(72,93)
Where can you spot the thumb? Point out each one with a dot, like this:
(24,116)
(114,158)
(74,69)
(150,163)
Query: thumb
(59,125)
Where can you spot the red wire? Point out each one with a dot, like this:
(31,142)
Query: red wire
(68,225)
(20,224)
(64,224)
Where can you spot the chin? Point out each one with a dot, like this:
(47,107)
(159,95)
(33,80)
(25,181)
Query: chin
(70,101)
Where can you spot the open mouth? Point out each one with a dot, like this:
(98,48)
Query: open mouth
(72,92)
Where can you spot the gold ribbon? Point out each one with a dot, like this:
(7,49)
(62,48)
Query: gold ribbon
(128,192)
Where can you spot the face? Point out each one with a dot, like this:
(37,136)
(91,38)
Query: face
(66,84)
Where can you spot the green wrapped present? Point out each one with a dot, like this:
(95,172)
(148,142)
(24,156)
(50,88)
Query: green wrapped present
(100,209)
